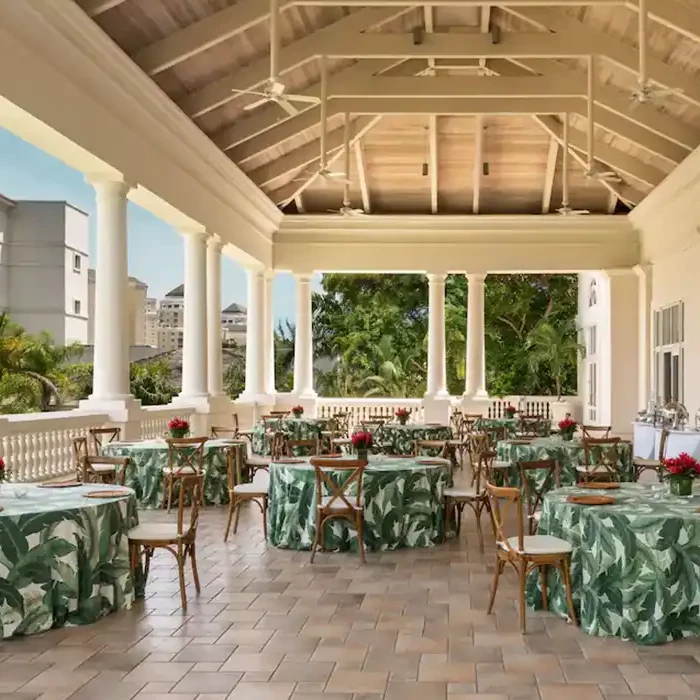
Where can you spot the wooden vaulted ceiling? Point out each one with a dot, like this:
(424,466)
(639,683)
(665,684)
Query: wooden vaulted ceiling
(468,121)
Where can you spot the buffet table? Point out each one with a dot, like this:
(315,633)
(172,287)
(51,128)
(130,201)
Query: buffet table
(647,440)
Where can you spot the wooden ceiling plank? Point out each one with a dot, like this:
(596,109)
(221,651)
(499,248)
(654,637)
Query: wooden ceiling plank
(611,49)
(433,162)
(361,168)
(93,8)
(297,53)
(550,171)
(478,162)
(674,15)
(458,3)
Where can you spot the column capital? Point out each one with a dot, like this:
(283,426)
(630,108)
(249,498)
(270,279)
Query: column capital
(194,232)
(215,243)
(114,184)
(303,276)
(643,269)
(269,274)
(475,277)
(436,277)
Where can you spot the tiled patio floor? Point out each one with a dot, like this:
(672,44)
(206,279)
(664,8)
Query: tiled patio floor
(410,625)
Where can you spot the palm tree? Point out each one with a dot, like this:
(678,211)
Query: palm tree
(553,347)
(396,377)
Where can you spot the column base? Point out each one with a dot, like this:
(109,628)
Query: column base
(475,403)
(437,408)
(124,412)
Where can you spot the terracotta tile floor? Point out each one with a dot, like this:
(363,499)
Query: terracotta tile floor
(410,625)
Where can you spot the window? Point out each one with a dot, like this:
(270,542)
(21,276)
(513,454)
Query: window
(591,343)
(593,293)
(668,353)
(76,307)
(77,262)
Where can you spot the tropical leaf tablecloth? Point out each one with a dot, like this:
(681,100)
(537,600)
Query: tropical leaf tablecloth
(512,425)
(568,454)
(397,439)
(148,457)
(64,558)
(291,428)
(635,565)
(402,500)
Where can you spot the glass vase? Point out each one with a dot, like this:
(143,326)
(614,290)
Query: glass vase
(403,420)
(681,485)
(178,434)
(362,454)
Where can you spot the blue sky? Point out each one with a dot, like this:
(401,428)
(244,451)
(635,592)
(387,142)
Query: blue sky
(28,173)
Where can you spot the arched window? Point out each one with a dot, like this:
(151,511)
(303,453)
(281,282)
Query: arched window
(593,293)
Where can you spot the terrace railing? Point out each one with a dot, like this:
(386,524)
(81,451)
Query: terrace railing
(359,410)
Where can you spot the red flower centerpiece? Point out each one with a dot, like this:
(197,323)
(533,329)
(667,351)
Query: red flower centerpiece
(567,427)
(297,411)
(362,441)
(178,427)
(510,411)
(681,472)
(402,415)
(3,471)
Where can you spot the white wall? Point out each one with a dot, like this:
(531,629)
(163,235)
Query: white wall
(5,207)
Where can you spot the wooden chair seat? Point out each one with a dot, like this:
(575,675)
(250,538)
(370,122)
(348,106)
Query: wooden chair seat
(103,468)
(500,464)
(644,463)
(460,493)
(538,544)
(250,489)
(163,533)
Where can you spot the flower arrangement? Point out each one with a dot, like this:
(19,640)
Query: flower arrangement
(178,427)
(3,470)
(297,411)
(567,427)
(510,410)
(402,415)
(362,441)
(681,472)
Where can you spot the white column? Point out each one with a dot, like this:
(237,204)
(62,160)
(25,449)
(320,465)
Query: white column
(194,350)
(111,353)
(475,385)
(303,342)
(644,272)
(269,334)
(436,335)
(254,371)
(215,366)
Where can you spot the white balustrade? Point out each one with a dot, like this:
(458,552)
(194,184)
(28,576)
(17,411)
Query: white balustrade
(359,410)
(156,419)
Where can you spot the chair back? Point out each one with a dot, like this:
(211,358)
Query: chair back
(372,425)
(278,443)
(279,414)
(432,446)
(271,422)
(506,500)
(497,434)
(470,422)
(190,491)
(457,423)
(482,470)
(343,423)
(338,492)
(119,463)
(80,451)
(219,432)
(663,443)
(533,493)
(102,436)
(235,463)
(478,443)
(595,431)
(185,454)
(530,425)
(307,447)
(601,454)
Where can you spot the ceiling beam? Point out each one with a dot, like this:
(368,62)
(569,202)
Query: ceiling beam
(456,3)
(299,201)
(292,189)
(306,154)
(93,8)
(478,162)
(297,53)
(611,49)
(612,203)
(673,14)
(361,168)
(433,162)
(549,173)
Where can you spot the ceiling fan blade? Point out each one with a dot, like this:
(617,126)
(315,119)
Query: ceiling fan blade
(287,106)
(310,99)
(254,105)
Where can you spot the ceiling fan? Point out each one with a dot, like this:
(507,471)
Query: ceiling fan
(565,209)
(346,209)
(645,92)
(591,171)
(274,90)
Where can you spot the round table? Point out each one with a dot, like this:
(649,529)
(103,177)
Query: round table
(397,439)
(635,565)
(402,500)
(569,454)
(148,457)
(292,429)
(511,425)
(64,558)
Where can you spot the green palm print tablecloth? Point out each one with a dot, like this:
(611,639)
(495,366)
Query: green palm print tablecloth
(149,457)
(397,439)
(402,500)
(64,558)
(635,565)
(512,425)
(291,428)
(568,454)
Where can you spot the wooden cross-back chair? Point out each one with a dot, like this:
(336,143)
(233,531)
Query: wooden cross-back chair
(343,422)
(240,492)
(459,442)
(530,472)
(220,432)
(102,436)
(470,422)
(280,414)
(177,537)
(306,447)
(185,458)
(480,443)
(530,425)
(457,498)
(80,451)
(595,431)
(339,503)
(600,459)
(100,469)
(525,552)
(654,464)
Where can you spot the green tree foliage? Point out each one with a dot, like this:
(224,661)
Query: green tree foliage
(355,313)
(152,381)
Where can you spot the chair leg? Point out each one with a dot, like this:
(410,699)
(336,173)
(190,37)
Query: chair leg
(496,577)
(566,574)
(195,572)
(232,505)
(181,575)
(171,482)
(317,535)
(148,553)
(479,532)
(264,517)
(239,502)
(360,536)
(543,584)
(521,593)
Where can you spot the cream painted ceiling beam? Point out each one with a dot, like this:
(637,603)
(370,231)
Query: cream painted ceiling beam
(611,49)
(361,168)
(308,153)
(292,189)
(550,171)
(433,161)
(456,3)
(297,53)
(93,8)
(478,161)
(612,202)
(673,14)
